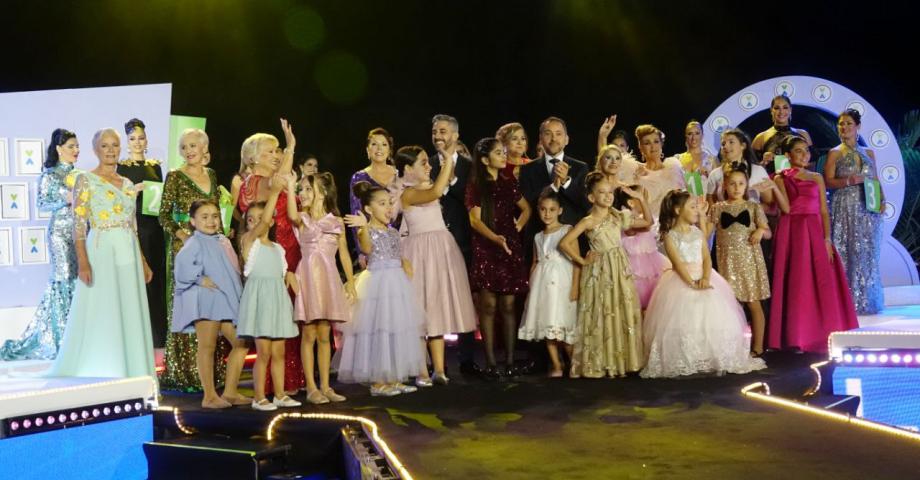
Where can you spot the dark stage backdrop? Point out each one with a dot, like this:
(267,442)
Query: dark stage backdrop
(340,68)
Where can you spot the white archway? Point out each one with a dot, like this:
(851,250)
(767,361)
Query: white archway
(897,266)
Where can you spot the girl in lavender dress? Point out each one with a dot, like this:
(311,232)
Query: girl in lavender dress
(207,299)
(382,344)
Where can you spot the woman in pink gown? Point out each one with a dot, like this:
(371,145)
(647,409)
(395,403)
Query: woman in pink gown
(811,298)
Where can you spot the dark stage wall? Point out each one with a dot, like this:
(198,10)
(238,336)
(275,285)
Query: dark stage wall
(339,68)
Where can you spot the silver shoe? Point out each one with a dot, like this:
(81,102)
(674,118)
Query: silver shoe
(423,382)
(403,388)
(385,391)
(440,379)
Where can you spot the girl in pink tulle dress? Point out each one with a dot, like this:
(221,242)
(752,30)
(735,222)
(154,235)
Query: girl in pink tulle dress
(811,297)
(440,278)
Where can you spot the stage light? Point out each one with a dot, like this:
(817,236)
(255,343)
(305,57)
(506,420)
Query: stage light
(39,421)
(871,358)
(138,406)
(106,410)
(26,423)
(84,414)
(883,358)
(51,420)
(73,416)
(908,358)
(860,358)
(848,358)
(896,358)
(117,409)
(96,412)
(62,418)
(14,426)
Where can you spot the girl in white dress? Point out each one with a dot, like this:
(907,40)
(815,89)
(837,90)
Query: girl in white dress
(552,307)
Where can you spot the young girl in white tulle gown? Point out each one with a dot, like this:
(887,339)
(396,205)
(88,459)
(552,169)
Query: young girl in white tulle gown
(552,308)
(693,323)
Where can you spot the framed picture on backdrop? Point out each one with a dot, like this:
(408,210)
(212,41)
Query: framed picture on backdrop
(30,155)
(6,247)
(14,201)
(33,246)
(4,157)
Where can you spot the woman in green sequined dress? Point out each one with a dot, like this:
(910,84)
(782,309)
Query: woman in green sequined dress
(193,181)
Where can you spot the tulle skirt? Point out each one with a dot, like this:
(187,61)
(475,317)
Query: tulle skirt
(382,343)
(646,263)
(689,331)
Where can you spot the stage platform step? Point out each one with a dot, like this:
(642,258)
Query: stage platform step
(215,456)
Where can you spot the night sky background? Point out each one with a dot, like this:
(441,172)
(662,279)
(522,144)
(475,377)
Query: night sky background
(337,69)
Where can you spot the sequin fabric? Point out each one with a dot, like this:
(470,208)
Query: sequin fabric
(43,335)
(740,263)
(857,233)
(179,191)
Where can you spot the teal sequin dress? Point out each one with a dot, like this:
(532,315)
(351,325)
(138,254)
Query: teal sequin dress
(42,337)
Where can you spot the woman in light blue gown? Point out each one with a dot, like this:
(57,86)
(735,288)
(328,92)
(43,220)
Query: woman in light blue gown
(108,332)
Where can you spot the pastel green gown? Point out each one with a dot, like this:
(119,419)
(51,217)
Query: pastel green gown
(108,332)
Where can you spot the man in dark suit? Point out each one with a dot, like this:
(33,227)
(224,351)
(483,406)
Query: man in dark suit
(566,176)
(557,170)
(445,132)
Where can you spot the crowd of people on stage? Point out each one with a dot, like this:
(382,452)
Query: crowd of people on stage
(632,263)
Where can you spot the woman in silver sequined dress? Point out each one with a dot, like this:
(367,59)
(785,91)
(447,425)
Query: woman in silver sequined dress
(55,193)
(857,232)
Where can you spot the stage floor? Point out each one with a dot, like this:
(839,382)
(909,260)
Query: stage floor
(693,428)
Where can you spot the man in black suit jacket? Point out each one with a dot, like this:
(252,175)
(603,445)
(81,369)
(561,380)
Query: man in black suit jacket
(445,132)
(555,169)
(566,176)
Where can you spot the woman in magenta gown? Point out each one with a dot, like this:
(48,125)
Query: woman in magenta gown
(811,298)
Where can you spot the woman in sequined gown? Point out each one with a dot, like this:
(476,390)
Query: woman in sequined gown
(261,152)
(380,173)
(108,332)
(55,194)
(193,181)
(139,169)
(857,232)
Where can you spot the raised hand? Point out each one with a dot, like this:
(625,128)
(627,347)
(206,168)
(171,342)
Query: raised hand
(355,221)
(608,125)
(289,139)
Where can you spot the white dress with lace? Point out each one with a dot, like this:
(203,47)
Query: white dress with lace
(549,313)
(688,331)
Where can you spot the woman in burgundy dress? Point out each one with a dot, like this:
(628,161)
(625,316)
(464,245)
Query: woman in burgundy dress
(263,154)
(498,272)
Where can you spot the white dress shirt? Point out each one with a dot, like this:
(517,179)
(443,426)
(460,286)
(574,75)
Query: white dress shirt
(549,167)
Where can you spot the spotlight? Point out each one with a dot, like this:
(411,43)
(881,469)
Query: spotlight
(26,423)
(860,358)
(74,416)
(127,408)
(848,358)
(39,421)
(896,358)
(62,418)
(14,426)
(883,358)
(117,409)
(871,358)
(96,412)
(908,358)
(51,420)
(138,406)
(84,414)
(106,410)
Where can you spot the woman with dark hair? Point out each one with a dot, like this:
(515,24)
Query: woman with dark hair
(857,231)
(380,173)
(55,194)
(309,165)
(498,272)
(769,143)
(139,169)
